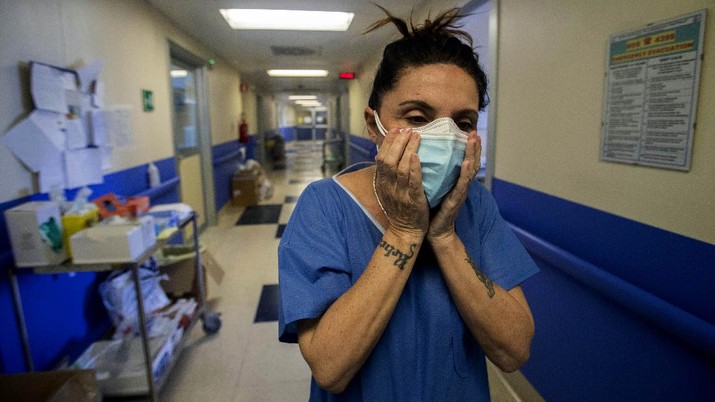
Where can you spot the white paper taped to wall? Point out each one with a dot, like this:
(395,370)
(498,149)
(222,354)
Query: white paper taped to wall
(38,141)
(89,74)
(83,167)
(76,136)
(51,179)
(124,135)
(47,86)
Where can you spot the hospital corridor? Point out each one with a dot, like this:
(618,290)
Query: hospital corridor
(348,200)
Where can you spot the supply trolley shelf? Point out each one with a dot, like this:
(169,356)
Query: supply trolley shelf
(211,321)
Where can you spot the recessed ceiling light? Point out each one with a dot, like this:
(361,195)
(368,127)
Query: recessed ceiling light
(302,97)
(179,73)
(308,102)
(287,20)
(298,73)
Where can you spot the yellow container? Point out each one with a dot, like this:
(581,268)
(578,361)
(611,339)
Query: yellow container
(72,224)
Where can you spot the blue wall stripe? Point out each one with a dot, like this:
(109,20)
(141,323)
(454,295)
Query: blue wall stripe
(619,306)
(225,158)
(682,325)
(672,267)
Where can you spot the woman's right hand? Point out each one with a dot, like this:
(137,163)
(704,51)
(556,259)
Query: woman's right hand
(398,183)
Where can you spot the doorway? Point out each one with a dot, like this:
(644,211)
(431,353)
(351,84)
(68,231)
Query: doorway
(191,132)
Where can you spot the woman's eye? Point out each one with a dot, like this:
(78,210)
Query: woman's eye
(416,120)
(465,126)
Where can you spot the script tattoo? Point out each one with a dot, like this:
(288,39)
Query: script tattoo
(402,258)
(483,278)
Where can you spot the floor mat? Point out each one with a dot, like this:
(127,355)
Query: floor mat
(260,214)
(268,304)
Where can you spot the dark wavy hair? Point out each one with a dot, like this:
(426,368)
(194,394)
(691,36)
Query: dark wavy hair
(434,42)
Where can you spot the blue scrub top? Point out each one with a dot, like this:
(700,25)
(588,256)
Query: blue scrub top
(425,353)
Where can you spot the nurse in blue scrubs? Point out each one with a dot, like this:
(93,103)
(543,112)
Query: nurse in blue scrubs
(398,277)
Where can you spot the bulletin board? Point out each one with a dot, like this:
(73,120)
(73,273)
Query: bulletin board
(68,138)
(652,80)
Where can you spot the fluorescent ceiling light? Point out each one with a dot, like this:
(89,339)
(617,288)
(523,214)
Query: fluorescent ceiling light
(298,73)
(308,103)
(302,97)
(287,20)
(179,73)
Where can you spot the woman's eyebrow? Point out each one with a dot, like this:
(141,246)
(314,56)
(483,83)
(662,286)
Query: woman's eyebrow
(468,112)
(421,104)
(427,107)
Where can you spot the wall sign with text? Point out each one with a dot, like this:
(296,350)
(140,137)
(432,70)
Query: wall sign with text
(652,80)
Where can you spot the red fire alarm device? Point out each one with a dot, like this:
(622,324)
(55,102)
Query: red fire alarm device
(346,76)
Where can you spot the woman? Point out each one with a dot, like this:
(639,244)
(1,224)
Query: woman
(397,278)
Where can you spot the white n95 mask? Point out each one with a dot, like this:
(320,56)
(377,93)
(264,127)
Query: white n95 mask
(441,152)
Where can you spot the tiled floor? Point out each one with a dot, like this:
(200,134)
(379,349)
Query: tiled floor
(245,361)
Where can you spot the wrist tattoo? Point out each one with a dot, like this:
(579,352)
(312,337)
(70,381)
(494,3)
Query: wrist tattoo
(482,278)
(402,258)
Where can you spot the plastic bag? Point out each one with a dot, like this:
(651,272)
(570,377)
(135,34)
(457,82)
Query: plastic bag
(119,298)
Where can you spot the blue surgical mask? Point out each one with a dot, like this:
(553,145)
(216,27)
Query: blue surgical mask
(441,152)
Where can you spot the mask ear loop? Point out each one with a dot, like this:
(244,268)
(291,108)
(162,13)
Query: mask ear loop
(380,127)
(382,131)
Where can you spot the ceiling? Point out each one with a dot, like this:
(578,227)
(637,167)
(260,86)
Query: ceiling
(254,52)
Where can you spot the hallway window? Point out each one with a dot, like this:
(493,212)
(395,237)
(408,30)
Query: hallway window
(183,83)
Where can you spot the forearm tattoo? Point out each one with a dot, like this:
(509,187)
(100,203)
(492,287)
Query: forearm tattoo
(402,258)
(483,278)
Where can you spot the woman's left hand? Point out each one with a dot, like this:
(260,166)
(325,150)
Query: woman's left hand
(442,224)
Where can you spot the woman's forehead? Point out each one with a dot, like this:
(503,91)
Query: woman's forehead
(435,84)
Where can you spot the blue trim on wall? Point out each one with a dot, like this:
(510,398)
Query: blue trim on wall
(620,307)
(64,312)
(288,133)
(225,159)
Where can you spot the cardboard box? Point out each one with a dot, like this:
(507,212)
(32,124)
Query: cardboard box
(120,368)
(119,364)
(51,386)
(35,230)
(244,188)
(178,263)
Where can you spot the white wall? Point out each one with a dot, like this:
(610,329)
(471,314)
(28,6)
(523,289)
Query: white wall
(132,39)
(250,108)
(226,103)
(551,83)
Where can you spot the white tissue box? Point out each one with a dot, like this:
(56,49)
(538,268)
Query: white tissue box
(35,230)
(112,243)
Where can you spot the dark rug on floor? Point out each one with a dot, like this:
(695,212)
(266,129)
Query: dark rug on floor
(260,214)
(279,232)
(268,304)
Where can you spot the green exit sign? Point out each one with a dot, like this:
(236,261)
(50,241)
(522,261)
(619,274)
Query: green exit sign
(147,100)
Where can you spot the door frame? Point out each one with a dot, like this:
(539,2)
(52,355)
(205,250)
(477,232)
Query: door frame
(203,127)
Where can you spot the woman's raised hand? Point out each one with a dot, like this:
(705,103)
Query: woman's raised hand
(442,223)
(398,183)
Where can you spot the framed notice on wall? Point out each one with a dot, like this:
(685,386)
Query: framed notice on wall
(652,79)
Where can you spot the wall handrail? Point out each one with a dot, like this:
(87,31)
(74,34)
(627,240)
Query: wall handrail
(228,157)
(165,187)
(684,326)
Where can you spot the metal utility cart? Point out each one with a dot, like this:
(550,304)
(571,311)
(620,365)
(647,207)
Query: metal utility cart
(211,321)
